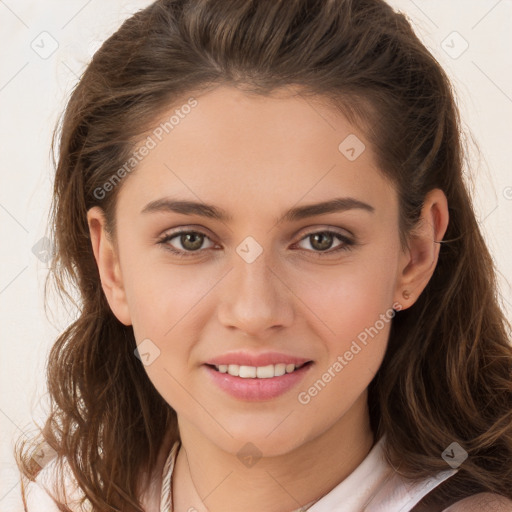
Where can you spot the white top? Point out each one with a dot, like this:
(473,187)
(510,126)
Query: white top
(372,487)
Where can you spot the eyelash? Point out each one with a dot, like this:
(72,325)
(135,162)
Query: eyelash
(347,244)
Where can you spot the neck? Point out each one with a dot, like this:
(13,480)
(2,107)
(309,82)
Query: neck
(207,478)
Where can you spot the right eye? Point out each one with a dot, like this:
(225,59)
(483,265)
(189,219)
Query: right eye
(190,242)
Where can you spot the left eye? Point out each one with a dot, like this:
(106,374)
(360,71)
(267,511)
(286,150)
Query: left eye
(192,241)
(323,240)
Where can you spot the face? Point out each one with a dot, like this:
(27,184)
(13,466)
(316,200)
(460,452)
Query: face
(317,286)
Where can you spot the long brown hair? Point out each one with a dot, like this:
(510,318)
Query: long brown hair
(446,375)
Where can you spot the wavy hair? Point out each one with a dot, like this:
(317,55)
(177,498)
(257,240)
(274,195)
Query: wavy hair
(446,375)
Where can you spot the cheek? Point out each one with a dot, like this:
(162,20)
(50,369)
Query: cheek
(349,298)
(351,308)
(159,295)
(355,323)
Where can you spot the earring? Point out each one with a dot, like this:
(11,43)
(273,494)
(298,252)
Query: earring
(406,294)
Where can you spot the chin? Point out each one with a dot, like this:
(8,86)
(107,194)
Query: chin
(269,439)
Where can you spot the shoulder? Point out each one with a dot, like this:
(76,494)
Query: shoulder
(484,501)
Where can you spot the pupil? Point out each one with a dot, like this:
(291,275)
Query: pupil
(185,239)
(327,240)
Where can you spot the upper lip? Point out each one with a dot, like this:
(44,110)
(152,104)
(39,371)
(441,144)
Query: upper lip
(262,359)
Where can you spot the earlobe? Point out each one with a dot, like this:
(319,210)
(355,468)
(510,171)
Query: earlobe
(418,263)
(108,265)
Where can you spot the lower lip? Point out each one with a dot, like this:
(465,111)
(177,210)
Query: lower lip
(257,389)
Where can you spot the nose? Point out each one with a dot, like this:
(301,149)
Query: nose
(255,298)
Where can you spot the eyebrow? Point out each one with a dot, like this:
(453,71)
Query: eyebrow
(338,204)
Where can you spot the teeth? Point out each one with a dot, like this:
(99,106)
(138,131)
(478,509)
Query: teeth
(290,368)
(247,372)
(280,369)
(265,372)
(258,372)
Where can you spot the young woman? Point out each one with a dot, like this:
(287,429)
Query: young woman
(286,300)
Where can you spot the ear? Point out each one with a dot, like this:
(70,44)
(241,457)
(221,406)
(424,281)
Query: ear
(418,262)
(107,259)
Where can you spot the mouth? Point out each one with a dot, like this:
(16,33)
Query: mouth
(257,383)
(258,372)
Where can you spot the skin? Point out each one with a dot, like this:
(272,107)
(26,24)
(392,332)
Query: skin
(257,157)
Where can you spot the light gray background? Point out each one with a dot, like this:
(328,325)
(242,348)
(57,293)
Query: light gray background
(34,85)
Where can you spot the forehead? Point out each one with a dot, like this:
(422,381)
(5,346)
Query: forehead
(253,152)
